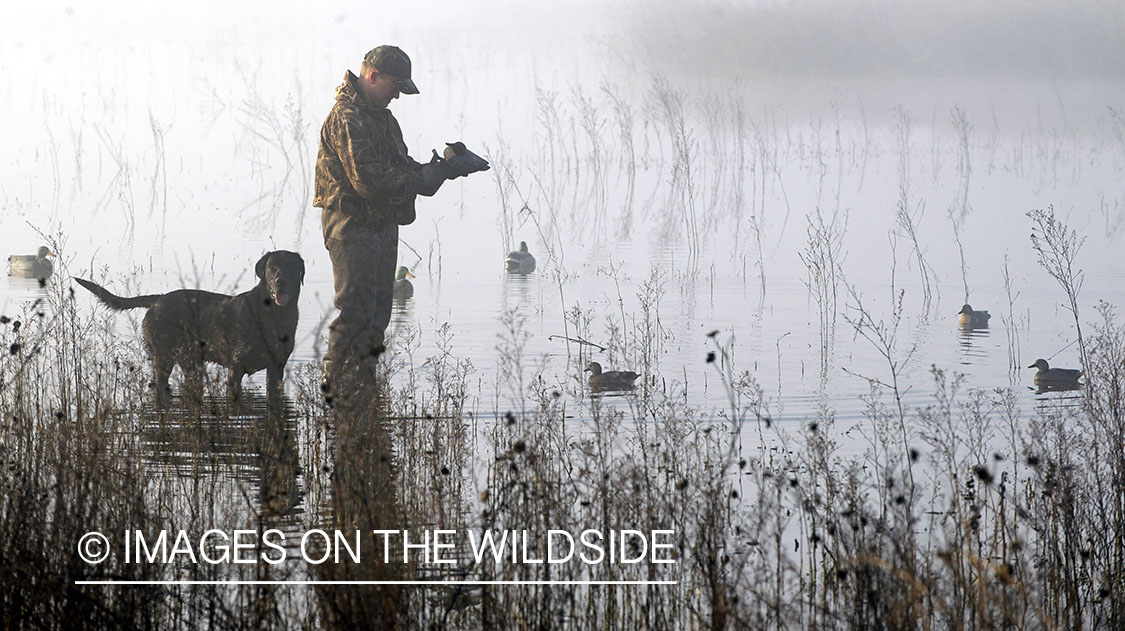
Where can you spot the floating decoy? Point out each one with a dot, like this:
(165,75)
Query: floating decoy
(32,265)
(403,288)
(610,380)
(521,261)
(1047,376)
(968,318)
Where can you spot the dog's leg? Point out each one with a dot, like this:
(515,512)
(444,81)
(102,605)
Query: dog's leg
(195,373)
(234,383)
(161,371)
(274,393)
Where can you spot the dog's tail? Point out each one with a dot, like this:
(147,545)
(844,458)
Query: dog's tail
(117,302)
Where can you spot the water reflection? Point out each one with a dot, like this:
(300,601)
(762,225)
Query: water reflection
(1048,387)
(363,498)
(518,289)
(224,443)
(27,284)
(222,436)
(1064,401)
(402,314)
(971,342)
(279,490)
(20,290)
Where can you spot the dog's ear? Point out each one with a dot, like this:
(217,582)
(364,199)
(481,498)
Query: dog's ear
(260,268)
(301,263)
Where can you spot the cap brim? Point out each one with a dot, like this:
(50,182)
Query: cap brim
(406,86)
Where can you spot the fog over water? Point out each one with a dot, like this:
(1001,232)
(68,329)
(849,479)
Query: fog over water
(169,146)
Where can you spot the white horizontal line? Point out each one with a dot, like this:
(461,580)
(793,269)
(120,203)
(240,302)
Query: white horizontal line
(238,582)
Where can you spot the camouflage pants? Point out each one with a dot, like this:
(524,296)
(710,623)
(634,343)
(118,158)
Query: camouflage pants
(364,275)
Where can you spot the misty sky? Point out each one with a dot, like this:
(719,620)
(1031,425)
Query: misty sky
(791,38)
(888,38)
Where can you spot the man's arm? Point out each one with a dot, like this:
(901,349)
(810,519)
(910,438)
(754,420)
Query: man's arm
(376,172)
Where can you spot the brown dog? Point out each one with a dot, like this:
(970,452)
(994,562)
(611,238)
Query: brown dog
(244,333)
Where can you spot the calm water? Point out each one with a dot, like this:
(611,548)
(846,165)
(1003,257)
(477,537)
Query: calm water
(775,338)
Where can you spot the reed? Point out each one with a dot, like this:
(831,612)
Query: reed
(908,218)
(593,125)
(277,132)
(624,117)
(959,211)
(158,181)
(682,193)
(1011,326)
(823,258)
(1057,247)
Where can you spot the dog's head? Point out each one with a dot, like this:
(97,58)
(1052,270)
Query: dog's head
(283,272)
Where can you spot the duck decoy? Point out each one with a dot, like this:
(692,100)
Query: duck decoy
(32,265)
(610,380)
(1047,376)
(970,319)
(403,288)
(521,261)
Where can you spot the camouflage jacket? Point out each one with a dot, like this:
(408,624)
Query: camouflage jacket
(365,179)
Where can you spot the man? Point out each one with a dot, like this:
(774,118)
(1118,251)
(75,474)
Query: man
(366,184)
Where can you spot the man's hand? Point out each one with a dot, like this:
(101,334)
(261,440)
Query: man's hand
(458,162)
(434,174)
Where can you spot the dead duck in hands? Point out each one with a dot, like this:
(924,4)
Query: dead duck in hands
(521,261)
(970,319)
(32,265)
(610,380)
(403,287)
(1054,377)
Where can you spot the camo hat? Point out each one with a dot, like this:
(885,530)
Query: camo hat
(390,60)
